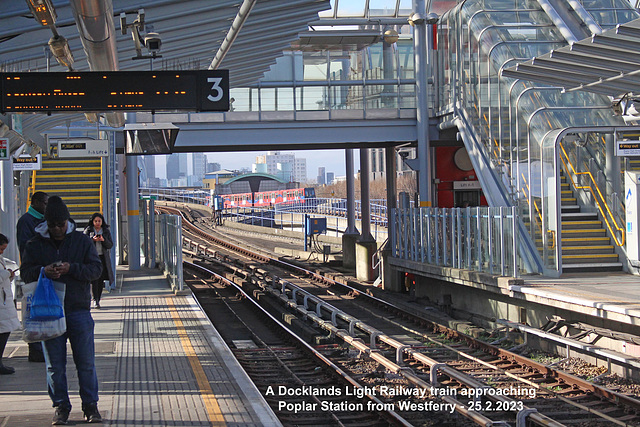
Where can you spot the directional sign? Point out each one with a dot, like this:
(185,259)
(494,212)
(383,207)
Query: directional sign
(628,148)
(27,163)
(4,148)
(82,147)
(197,90)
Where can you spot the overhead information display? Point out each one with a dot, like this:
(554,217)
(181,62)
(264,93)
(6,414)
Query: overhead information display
(195,90)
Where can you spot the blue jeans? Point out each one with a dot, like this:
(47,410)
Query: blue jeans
(80,334)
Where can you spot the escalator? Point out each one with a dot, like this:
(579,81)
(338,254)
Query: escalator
(532,145)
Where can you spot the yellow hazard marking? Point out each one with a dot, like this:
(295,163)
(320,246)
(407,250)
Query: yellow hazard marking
(133,212)
(210,401)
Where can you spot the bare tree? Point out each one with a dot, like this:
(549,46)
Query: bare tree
(377,188)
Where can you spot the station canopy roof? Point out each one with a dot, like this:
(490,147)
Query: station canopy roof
(191,32)
(606,63)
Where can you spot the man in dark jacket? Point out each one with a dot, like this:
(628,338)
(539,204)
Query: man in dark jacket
(67,256)
(25,230)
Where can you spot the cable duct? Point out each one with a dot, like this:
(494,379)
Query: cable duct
(94,19)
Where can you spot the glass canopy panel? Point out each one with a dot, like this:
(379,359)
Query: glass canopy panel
(382,8)
(405,8)
(350,8)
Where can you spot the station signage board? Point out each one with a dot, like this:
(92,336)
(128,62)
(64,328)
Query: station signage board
(83,147)
(4,148)
(467,185)
(190,90)
(27,163)
(628,148)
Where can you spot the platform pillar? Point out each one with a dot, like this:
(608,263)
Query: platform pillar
(349,249)
(364,266)
(351,235)
(8,216)
(133,212)
(390,277)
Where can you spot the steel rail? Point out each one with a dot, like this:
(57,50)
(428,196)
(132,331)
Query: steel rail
(392,414)
(544,370)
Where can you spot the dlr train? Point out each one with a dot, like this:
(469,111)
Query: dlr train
(265,199)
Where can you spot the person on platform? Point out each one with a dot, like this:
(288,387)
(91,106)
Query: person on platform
(67,256)
(98,231)
(8,315)
(25,230)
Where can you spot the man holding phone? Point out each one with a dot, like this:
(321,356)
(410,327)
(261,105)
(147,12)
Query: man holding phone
(70,257)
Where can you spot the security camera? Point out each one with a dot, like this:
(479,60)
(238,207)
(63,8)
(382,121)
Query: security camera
(153,42)
(403,154)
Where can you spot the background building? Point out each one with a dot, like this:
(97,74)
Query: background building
(321,180)
(284,165)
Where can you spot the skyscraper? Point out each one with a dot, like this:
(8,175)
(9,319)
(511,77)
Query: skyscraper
(177,166)
(321,176)
(199,160)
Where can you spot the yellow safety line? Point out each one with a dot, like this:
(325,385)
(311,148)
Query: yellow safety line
(210,401)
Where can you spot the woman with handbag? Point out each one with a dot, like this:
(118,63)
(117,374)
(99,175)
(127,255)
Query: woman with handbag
(98,231)
(8,315)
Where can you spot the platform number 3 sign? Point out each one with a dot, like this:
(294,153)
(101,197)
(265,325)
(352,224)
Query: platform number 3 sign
(4,149)
(214,90)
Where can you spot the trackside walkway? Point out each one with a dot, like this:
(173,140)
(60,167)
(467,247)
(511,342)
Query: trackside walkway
(160,363)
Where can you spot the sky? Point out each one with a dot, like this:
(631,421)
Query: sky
(331,160)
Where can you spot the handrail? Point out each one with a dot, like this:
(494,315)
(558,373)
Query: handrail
(535,205)
(379,250)
(31,190)
(588,173)
(101,185)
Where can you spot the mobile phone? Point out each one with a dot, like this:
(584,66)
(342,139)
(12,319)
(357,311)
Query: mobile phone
(57,264)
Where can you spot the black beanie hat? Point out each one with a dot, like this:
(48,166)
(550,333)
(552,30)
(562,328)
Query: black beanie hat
(56,210)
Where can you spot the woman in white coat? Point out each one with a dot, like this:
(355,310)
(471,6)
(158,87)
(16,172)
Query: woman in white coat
(8,314)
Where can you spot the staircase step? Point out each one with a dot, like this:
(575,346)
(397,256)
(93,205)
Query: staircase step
(569,208)
(573,225)
(592,249)
(91,191)
(595,232)
(568,200)
(74,168)
(597,266)
(69,176)
(71,183)
(589,258)
(585,241)
(579,216)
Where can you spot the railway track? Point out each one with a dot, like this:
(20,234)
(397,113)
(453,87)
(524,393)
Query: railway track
(470,373)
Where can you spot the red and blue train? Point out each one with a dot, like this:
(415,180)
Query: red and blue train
(265,199)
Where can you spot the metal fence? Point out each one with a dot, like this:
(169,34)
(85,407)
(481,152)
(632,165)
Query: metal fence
(294,220)
(168,241)
(480,239)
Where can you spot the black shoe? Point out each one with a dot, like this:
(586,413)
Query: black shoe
(6,370)
(91,414)
(61,416)
(98,305)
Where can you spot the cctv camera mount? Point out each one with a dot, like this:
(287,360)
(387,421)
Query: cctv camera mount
(151,41)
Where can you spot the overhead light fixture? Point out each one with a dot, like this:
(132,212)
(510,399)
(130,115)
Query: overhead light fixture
(43,12)
(59,47)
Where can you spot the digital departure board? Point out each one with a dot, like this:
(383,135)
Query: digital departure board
(194,90)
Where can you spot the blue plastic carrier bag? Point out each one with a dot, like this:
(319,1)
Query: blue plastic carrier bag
(45,304)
